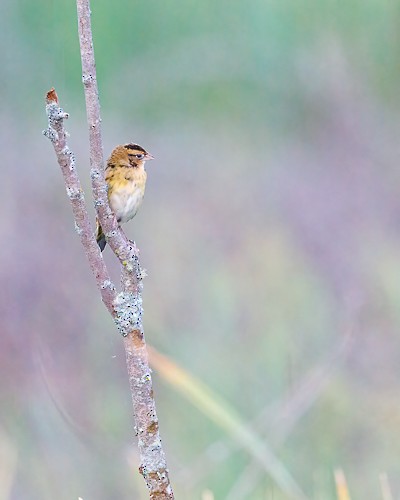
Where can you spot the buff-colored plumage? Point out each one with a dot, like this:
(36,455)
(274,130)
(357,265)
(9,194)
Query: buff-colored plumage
(126,179)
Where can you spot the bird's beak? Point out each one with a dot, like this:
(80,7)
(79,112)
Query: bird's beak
(149,157)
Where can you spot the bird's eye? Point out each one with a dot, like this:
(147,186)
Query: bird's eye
(139,156)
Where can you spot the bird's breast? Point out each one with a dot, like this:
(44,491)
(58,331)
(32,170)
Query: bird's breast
(126,199)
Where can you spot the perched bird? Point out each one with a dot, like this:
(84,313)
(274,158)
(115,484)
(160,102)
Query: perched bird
(126,179)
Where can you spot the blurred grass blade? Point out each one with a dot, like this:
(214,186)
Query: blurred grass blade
(341,485)
(207,495)
(8,465)
(385,487)
(221,413)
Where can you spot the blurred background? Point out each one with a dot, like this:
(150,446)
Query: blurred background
(270,234)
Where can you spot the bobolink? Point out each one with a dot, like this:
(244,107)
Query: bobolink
(126,179)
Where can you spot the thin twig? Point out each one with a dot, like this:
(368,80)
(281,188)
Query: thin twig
(66,159)
(115,236)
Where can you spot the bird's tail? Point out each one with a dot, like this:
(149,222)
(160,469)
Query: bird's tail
(100,236)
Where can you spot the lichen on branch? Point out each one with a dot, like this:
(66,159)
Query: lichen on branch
(126,305)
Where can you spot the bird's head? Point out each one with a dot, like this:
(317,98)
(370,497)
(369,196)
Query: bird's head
(131,155)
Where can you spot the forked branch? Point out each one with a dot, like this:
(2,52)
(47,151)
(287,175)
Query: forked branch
(125,306)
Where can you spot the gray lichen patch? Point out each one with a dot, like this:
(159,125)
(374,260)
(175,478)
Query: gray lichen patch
(67,152)
(87,79)
(108,284)
(78,229)
(95,173)
(55,113)
(74,193)
(51,134)
(129,311)
(99,202)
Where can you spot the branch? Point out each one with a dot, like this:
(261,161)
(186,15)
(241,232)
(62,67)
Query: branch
(66,159)
(126,306)
(154,466)
(114,234)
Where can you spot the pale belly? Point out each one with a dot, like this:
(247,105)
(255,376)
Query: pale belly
(125,204)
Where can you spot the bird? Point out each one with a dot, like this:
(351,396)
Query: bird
(126,177)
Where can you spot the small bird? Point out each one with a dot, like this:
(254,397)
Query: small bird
(126,179)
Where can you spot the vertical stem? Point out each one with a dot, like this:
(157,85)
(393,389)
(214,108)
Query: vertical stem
(90,82)
(114,235)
